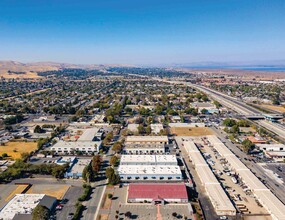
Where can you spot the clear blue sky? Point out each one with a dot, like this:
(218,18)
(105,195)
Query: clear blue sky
(142,31)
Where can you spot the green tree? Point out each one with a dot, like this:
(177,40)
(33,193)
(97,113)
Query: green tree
(204,111)
(113,178)
(148,129)
(113,160)
(117,147)
(141,129)
(40,213)
(234,129)
(248,146)
(229,122)
(38,129)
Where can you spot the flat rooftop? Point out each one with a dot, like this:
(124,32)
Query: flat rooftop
(76,144)
(219,198)
(148,159)
(146,139)
(20,204)
(79,166)
(89,134)
(149,169)
(144,146)
(157,190)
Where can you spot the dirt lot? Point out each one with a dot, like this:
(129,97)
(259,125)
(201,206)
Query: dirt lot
(18,190)
(275,108)
(57,191)
(106,202)
(186,131)
(15,149)
(103,217)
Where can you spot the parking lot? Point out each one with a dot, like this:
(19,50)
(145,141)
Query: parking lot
(243,199)
(275,171)
(142,210)
(71,197)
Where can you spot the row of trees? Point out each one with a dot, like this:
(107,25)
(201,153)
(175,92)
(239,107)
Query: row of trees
(91,170)
(21,168)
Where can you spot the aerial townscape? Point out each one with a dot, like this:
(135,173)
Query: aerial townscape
(142,110)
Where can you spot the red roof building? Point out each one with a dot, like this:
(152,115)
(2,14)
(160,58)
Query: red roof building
(157,192)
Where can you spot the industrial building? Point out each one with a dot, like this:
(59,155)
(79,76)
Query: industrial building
(273,205)
(209,107)
(148,160)
(150,172)
(21,206)
(71,147)
(133,127)
(219,199)
(271,147)
(144,149)
(278,156)
(157,193)
(145,144)
(91,134)
(273,151)
(76,168)
(146,140)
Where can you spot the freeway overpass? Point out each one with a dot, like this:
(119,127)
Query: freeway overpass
(240,107)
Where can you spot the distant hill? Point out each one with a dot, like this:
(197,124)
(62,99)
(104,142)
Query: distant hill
(14,69)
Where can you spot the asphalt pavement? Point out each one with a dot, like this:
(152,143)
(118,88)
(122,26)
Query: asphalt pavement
(273,185)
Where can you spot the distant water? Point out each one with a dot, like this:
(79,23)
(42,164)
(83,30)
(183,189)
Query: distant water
(255,68)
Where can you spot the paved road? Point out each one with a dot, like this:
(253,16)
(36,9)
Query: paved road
(206,204)
(99,187)
(279,190)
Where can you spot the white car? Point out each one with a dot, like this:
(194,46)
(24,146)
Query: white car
(223,217)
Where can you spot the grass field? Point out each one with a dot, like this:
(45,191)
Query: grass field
(57,191)
(275,108)
(186,131)
(18,190)
(14,149)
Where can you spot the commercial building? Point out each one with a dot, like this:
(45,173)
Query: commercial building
(219,199)
(133,127)
(145,144)
(273,205)
(150,172)
(157,193)
(70,147)
(271,147)
(21,206)
(148,160)
(76,168)
(91,134)
(256,140)
(146,140)
(278,156)
(144,149)
(209,107)
(65,160)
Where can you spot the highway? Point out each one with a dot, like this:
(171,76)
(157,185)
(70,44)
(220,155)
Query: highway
(237,105)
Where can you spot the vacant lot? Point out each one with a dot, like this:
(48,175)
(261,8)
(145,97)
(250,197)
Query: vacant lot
(106,202)
(18,190)
(14,149)
(57,191)
(103,217)
(186,131)
(275,108)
